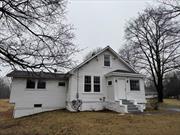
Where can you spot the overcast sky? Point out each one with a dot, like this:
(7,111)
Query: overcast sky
(99,23)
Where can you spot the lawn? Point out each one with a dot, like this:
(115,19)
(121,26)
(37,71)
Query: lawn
(171,103)
(62,122)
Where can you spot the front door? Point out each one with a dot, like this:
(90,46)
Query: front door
(120,88)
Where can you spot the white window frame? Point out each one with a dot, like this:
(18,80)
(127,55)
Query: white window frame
(96,84)
(36,85)
(130,85)
(88,83)
(92,84)
(109,60)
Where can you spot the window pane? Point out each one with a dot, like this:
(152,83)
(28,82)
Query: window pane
(30,84)
(87,88)
(96,79)
(37,105)
(96,83)
(134,85)
(96,88)
(87,84)
(106,60)
(61,84)
(87,79)
(109,82)
(41,84)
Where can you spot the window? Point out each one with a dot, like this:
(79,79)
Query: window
(109,82)
(107,60)
(41,84)
(61,84)
(96,84)
(87,84)
(30,84)
(37,105)
(134,85)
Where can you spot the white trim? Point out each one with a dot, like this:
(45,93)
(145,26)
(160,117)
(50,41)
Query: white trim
(92,84)
(130,85)
(36,85)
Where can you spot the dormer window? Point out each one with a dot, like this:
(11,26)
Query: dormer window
(107,60)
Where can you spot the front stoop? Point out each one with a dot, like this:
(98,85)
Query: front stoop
(123,106)
(131,107)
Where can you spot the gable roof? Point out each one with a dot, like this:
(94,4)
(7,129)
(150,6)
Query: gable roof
(37,75)
(100,52)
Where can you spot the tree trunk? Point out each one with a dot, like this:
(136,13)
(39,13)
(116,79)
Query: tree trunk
(160,90)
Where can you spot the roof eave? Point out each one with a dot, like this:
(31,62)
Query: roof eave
(124,75)
(107,47)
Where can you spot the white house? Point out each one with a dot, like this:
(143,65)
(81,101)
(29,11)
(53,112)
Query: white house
(104,81)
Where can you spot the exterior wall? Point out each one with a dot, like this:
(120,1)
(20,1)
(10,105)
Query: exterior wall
(94,68)
(138,96)
(51,98)
(110,90)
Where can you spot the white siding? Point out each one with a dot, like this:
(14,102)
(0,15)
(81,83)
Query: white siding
(93,68)
(51,98)
(139,96)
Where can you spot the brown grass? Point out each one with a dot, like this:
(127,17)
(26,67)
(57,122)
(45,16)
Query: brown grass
(171,103)
(63,122)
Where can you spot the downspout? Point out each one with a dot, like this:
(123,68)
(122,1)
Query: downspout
(77,93)
(77,102)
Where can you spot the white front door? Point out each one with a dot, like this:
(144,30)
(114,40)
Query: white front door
(120,88)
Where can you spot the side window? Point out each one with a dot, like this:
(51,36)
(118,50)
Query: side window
(87,84)
(41,84)
(30,84)
(109,83)
(134,85)
(106,60)
(61,84)
(96,84)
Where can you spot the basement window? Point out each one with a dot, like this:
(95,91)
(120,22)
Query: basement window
(37,105)
(134,85)
(30,84)
(41,84)
(61,84)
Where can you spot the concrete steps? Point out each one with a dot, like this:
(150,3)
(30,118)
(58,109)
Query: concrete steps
(130,106)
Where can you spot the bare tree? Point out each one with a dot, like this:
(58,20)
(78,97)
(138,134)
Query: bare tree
(157,37)
(91,53)
(172,7)
(131,54)
(33,34)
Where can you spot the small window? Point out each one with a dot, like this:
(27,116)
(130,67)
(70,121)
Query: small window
(61,83)
(109,83)
(96,84)
(134,85)
(37,105)
(87,84)
(41,84)
(30,84)
(107,60)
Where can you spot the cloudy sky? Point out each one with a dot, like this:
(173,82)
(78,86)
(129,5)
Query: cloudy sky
(99,23)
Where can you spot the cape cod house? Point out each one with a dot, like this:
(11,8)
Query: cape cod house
(104,81)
